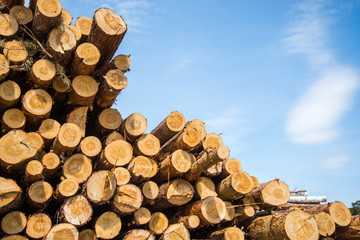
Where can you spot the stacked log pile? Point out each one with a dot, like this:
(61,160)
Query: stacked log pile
(73,168)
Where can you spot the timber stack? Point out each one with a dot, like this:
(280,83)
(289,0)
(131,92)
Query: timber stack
(72,168)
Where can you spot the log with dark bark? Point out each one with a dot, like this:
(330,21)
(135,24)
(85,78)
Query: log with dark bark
(337,210)
(230,233)
(350,232)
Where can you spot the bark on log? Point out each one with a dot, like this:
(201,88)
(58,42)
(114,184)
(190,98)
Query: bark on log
(23,14)
(38,225)
(150,191)
(169,127)
(68,138)
(48,130)
(107,32)
(140,217)
(176,232)
(205,187)
(158,223)
(140,168)
(10,93)
(83,91)
(9,26)
(199,126)
(121,62)
(229,167)
(191,222)
(65,189)
(244,213)
(176,164)
(235,186)
(325,224)
(270,194)
(122,175)
(206,159)
(116,154)
(12,119)
(230,233)
(211,210)
(78,116)
(78,167)
(39,194)
(4,62)
(108,225)
(350,232)
(114,82)
(90,147)
(10,195)
(337,210)
(184,140)
(5,5)
(84,24)
(36,104)
(58,231)
(76,210)
(47,14)
(175,193)
(51,163)
(61,44)
(85,59)
(133,127)
(138,234)
(100,187)
(109,120)
(15,52)
(128,199)
(33,172)
(13,222)
(147,145)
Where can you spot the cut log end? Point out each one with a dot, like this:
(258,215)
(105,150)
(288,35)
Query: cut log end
(13,222)
(42,73)
(85,59)
(15,51)
(84,24)
(49,8)
(212,140)
(51,163)
(49,129)
(122,175)
(190,222)
(142,216)
(340,214)
(78,167)
(110,119)
(179,192)
(68,138)
(77,210)
(325,224)
(87,234)
(176,231)
(9,25)
(23,14)
(213,209)
(181,161)
(150,190)
(140,168)
(175,121)
(90,146)
(158,223)
(4,64)
(275,193)
(13,119)
(230,233)
(39,194)
(10,93)
(67,188)
(122,62)
(300,225)
(148,145)
(230,211)
(84,89)
(117,153)
(63,231)
(37,103)
(38,225)
(108,225)
(66,17)
(205,187)
(135,125)
(139,234)
(128,199)
(101,187)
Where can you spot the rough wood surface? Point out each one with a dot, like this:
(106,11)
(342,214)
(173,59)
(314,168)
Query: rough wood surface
(127,199)
(83,91)
(337,210)
(108,225)
(169,127)
(235,186)
(85,59)
(133,127)
(101,187)
(13,222)
(12,119)
(68,138)
(62,230)
(78,167)
(38,225)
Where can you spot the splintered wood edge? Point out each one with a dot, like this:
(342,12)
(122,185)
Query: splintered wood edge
(110,22)
(85,86)
(177,231)
(13,222)
(150,190)
(101,186)
(84,24)
(10,91)
(68,187)
(213,209)
(14,118)
(38,225)
(108,225)
(298,219)
(71,168)
(49,8)
(110,119)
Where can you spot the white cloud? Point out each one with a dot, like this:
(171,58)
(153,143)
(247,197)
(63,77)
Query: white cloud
(315,116)
(334,162)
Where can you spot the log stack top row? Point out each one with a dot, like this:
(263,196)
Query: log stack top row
(71,167)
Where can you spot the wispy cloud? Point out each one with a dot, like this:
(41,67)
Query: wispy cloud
(179,64)
(334,162)
(315,116)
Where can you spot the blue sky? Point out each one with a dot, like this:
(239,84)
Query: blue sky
(279,79)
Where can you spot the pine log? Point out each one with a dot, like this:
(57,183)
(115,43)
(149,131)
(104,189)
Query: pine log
(36,104)
(175,193)
(206,159)
(112,137)
(256,181)
(59,90)
(212,140)
(85,59)
(350,232)
(325,223)
(158,223)
(128,199)
(87,234)
(15,52)
(48,130)
(10,195)
(90,147)
(109,120)
(235,186)
(122,175)
(76,210)
(66,17)
(214,171)
(259,229)
(83,90)
(33,172)
(138,234)
(47,14)
(140,217)
(76,32)
(230,233)
(51,163)
(68,138)
(78,116)
(249,200)
(108,225)
(150,191)
(230,212)
(229,167)
(121,62)
(66,189)
(191,222)
(4,63)
(114,82)
(39,194)
(23,14)
(17,148)
(100,187)
(270,194)
(61,44)
(9,26)
(211,210)
(147,145)
(244,213)
(63,231)
(10,93)
(116,154)
(205,187)
(78,167)
(169,127)
(107,32)
(38,225)
(184,140)
(12,119)
(5,5)
(176,232)
(199,126)
(140,168)
(133,127)
(14,237)
(84,24)
(337,210)
(13,222)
